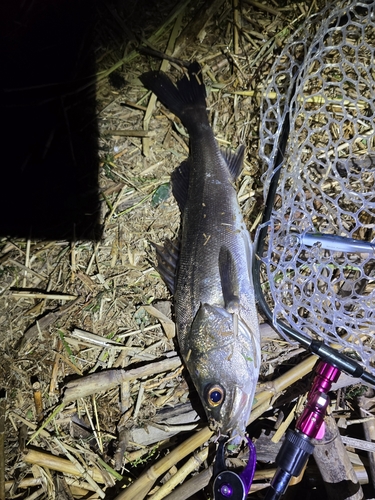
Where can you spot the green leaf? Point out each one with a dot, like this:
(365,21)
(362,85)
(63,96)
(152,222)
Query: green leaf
(161,194)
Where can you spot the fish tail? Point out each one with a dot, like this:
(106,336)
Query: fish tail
(186,99)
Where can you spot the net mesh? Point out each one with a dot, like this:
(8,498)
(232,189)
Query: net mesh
(325,79)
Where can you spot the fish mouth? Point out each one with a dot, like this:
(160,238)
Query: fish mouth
(237,427)
(235,419)
(233,435)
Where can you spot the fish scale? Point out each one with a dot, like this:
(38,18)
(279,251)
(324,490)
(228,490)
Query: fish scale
(211,277)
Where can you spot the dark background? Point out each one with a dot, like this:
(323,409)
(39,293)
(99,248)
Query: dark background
(48,136)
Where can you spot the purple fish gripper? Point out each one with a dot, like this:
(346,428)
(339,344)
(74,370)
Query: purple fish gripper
(227,484)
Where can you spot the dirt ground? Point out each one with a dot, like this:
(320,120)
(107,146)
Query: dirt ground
(74,308)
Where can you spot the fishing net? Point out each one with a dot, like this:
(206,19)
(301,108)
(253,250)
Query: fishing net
(321,282)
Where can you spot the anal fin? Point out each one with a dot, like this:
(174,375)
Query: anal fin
(234,160)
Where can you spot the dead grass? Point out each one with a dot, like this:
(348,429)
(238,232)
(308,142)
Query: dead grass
(77,309)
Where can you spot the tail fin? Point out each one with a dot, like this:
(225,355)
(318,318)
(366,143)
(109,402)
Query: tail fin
(187,100)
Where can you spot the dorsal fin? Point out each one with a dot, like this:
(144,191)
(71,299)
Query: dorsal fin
(180,183)
(167,257)
(234,160)
(229,280)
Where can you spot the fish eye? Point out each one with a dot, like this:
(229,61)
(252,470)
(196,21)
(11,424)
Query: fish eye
(215,395)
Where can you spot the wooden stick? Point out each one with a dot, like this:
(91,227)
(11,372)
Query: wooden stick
(80,467)
(144,483)
(53,462)
(360,444)
(129,133)
(366,403)
(22,294)
(30,482)
(55,370)
(104,381)
(191,465)
(192,486)
(334,464)
(38,402)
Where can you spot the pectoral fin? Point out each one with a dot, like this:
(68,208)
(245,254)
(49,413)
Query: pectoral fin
(167,257)
(229,280)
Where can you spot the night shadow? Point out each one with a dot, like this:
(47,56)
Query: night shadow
(49,137)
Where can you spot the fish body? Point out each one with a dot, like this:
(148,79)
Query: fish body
(211,274)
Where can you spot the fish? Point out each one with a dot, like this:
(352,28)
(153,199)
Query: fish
(208,269)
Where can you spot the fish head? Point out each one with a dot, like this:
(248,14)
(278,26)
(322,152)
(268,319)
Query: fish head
(223,362)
